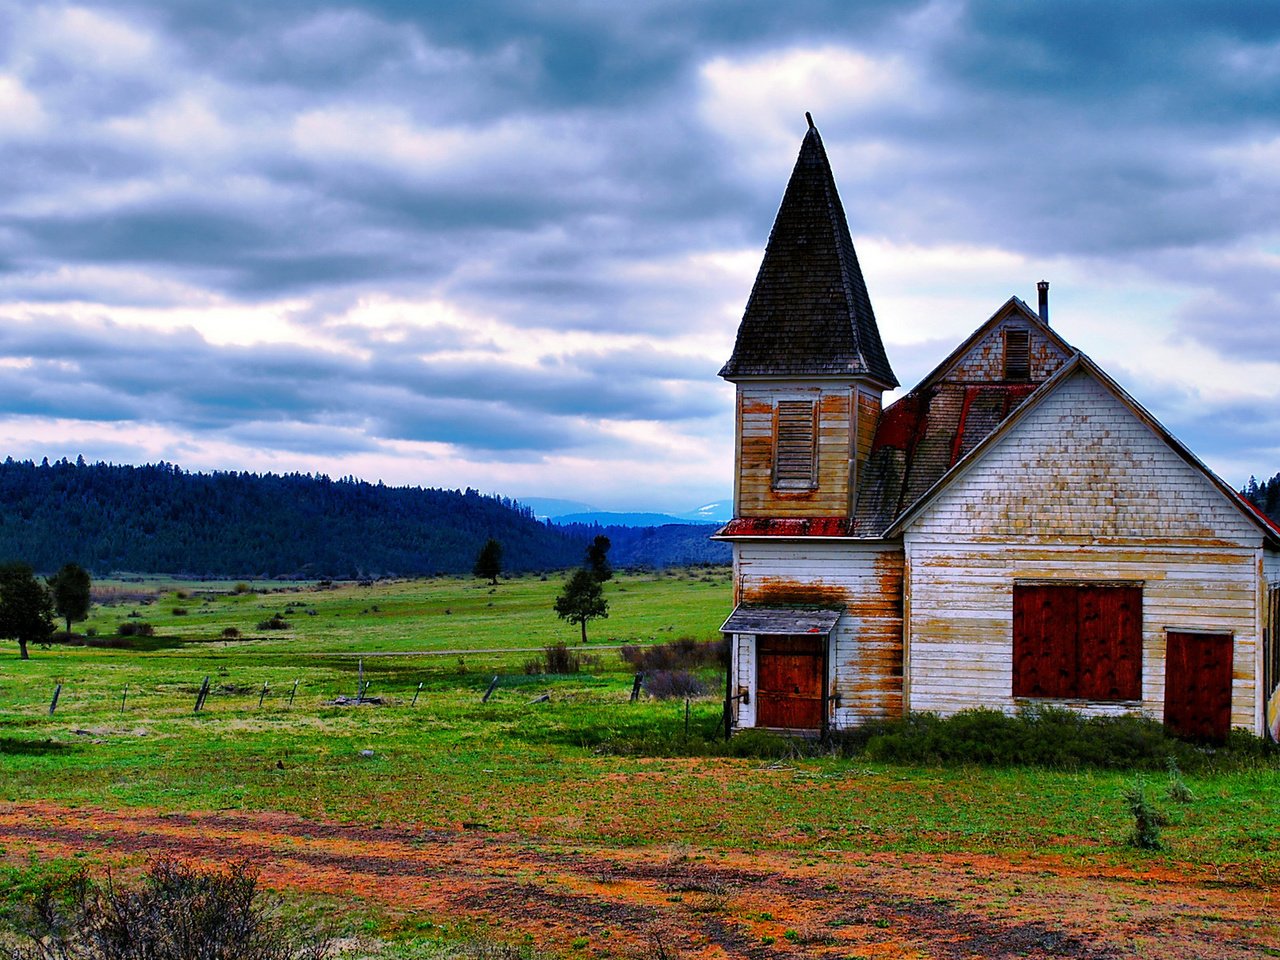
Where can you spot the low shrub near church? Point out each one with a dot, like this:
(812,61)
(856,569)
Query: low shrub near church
(1051,737)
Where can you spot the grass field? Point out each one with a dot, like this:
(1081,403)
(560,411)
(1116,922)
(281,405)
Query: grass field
(548,797)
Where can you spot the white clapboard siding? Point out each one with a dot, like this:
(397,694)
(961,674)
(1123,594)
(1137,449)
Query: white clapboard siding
(1271,566)
(865,581)
(1081,489)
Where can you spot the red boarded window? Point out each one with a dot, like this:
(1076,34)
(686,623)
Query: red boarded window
(1080,641)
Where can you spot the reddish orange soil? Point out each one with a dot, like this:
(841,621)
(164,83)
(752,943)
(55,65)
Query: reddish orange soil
(704,904)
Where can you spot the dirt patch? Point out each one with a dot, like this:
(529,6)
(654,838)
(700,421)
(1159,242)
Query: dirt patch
(698,903)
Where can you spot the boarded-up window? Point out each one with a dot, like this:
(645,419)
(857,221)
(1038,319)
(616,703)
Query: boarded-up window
(1197,685)
(1077,641)
(1017,355)
(795,451)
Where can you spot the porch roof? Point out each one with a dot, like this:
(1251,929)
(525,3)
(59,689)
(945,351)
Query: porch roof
(775,621)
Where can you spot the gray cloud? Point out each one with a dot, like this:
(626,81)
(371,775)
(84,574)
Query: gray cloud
(532,163)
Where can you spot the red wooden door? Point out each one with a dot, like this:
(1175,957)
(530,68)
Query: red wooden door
(789,672)
(1197,685)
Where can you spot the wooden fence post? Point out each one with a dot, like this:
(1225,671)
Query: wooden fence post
(53,705)
(635,687)
(489,693)
(200,697)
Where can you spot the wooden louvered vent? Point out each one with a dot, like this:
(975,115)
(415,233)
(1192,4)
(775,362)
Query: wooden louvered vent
(794,447)
(1017,355)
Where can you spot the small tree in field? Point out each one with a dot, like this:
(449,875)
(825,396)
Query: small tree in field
(489,561)
(26,609)
(598,558)
(70,587)
(582,599)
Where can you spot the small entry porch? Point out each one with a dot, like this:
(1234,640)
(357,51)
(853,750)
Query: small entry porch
(780,667)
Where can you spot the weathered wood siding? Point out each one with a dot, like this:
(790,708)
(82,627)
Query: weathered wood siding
(869,404)
(1271,566)
(862,579)
(1079,490)
(984,361)
(756,496)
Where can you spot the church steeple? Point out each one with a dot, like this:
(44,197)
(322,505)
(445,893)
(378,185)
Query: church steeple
(809,313)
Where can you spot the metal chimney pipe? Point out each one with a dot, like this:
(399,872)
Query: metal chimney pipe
(1043,287)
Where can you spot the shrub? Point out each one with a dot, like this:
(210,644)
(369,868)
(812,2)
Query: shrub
(178,912)
(230,633)
(137,628)
(180,611)
(557,658)
(669,684)
(1044,736)
(241,587)
(1147,818)
(685,653)
(275,622)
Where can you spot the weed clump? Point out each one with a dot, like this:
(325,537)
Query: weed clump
(178,912)
(230,633)
(138,628)
(1148,819)
(274,622)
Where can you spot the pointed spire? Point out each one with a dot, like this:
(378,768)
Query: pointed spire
(809,313)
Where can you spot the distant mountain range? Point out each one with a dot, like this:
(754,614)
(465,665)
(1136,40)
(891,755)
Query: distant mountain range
(562,512)
(161,519)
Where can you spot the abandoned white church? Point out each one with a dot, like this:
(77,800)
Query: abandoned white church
(1016,529)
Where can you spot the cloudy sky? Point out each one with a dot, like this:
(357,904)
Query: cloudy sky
(506,244)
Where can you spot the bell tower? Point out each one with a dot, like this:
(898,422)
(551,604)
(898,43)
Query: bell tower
(808,362)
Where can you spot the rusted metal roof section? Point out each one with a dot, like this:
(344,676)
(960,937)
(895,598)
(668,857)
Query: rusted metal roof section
(790,527)
(921,437)
(780,621)
(809,313)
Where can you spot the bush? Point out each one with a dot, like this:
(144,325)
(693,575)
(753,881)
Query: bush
(177,913)
(685,653)
(669,684)
(1147,818)
(1053,737)
(137,628)
(180,611)
(241,587)
(230,633)
(557,658)
(276,622)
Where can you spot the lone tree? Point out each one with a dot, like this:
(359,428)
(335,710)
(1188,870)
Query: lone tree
(70,589)
(26,609)
(598,558)
(582,599)
(489,561)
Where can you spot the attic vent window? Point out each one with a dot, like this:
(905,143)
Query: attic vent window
(1017,355)
(795,451)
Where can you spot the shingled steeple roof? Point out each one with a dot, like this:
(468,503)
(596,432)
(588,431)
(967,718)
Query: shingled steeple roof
(809,313)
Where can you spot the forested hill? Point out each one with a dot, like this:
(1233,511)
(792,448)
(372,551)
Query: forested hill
(161,519)
(1265,495)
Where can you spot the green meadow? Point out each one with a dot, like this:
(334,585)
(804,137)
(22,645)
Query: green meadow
(562,758)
